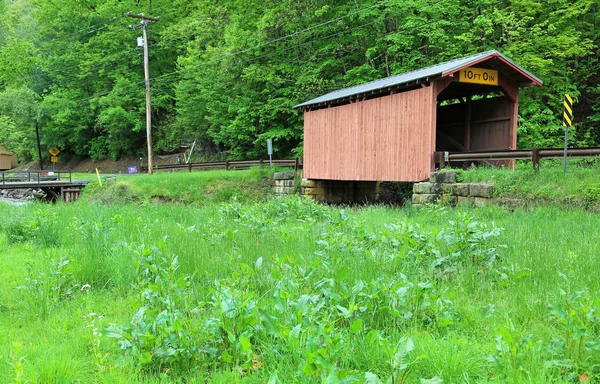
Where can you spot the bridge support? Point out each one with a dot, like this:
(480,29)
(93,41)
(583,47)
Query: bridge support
(67,194)
(337,191)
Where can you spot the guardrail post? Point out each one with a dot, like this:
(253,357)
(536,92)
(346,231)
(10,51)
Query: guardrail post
(190,167)
(262,163)
(227,165)
(296,164)
(535,159)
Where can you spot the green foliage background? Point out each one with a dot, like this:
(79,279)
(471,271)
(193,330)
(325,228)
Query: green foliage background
(227,73)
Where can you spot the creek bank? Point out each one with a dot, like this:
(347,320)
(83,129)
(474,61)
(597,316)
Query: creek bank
(21,194)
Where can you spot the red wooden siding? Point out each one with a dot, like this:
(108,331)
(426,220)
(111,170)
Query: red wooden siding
(386,138)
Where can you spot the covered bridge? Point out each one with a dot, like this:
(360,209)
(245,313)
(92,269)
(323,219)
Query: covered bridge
(8,160)
(389,129)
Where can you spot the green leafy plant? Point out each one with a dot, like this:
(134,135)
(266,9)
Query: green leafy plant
(399,357)
(511,349)
(578,316)
(45,289)
(232,331)
(158,335)
(467,241)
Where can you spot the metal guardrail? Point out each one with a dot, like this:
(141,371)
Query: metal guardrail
(8,177)
(535,155)
(230,165)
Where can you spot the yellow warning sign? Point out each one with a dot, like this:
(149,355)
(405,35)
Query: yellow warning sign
(568,111)
(479,76)
(54,159)
(54,151)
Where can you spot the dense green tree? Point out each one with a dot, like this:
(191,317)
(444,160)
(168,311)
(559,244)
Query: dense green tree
(227,73)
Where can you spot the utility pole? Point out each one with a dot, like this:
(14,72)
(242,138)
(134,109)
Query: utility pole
(145,21)
(39,147)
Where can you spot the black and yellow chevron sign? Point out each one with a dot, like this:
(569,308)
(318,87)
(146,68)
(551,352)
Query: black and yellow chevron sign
(568,112)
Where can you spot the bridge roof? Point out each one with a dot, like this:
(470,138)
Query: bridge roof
(440,70)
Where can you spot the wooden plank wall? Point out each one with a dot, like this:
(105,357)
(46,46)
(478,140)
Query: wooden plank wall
(390,138)
(491,124)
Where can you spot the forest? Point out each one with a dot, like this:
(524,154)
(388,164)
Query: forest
(227,73)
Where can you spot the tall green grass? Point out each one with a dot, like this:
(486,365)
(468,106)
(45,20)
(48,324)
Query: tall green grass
(182,187)
(261,272)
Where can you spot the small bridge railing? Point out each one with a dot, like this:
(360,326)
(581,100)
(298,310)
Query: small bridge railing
(8,177)
(535,155)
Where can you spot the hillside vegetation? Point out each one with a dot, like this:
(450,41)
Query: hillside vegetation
(198,188)
(228,73)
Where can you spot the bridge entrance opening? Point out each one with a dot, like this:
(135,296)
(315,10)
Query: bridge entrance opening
(473,117)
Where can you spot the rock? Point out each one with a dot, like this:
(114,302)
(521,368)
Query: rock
(483,201)
(443,177)
(448,199)
(308,183)
(481,190)
(460,189)
(464,200)
(438,188)
(511,204)
(283,176)
(422,188)
(425,198)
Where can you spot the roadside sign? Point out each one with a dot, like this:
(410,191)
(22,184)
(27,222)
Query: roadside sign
(270,151)
(478,76)
(54,159)
(132,169)
(567,122)
(568,111)
(54,151)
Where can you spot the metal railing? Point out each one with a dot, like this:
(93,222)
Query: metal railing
(535,155)
(8,177)
(231,165)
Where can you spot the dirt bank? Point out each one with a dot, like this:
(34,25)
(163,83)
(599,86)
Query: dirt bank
(106,166)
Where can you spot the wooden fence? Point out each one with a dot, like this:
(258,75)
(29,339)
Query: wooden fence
(230,165)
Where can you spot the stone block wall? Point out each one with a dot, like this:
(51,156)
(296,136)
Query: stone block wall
(443,187)
(284,183)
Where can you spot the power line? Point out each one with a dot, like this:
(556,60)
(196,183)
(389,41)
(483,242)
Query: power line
(240,62)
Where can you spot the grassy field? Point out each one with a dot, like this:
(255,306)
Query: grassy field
(182,187)
(259,289)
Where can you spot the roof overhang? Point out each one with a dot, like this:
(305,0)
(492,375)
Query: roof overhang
(527,77)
